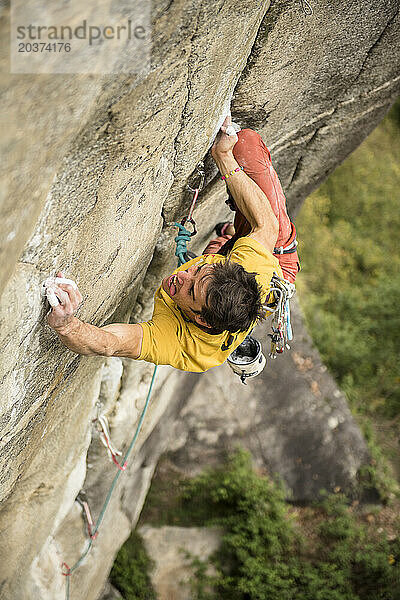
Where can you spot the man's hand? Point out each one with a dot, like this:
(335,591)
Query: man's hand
(117,339)
(63,315)
(248,196)
(224,143)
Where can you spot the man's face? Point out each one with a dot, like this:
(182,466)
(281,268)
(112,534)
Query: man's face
(188,290)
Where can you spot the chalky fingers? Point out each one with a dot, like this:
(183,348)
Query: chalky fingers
(64,300)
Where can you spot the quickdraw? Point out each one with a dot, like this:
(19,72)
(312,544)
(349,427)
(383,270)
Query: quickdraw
(184,235)
(196,191)
(83,501)
(66,570)
(103,429)
(281,326)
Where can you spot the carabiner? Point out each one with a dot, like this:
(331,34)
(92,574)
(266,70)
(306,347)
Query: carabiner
(201,173)
(192,222)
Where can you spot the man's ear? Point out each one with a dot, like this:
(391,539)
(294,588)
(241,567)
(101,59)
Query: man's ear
(200,321)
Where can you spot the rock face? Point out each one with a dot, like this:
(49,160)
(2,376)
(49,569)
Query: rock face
(96,170)
(173,549)
(292,418)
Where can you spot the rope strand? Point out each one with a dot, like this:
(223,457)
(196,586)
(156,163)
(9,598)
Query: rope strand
(182,239)
(70,570)
(184,236)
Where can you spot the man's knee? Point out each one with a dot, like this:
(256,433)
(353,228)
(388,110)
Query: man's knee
(248,134)
(249,137)
(250,144)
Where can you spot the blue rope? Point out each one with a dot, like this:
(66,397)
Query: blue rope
(182,239)
(114,483)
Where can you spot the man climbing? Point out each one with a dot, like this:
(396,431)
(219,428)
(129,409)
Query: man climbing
(206,308)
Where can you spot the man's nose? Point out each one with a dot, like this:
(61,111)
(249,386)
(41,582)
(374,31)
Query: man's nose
(184,276)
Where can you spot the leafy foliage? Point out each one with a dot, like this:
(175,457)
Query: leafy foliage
(263,555)
(350,285)
(130,571)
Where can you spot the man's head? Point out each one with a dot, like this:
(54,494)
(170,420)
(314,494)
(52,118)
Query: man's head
(221,296)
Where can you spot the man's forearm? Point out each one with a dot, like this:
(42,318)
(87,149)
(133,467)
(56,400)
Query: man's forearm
(248,196)
(86,339)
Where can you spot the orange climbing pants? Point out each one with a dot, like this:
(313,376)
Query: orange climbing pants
(253,155)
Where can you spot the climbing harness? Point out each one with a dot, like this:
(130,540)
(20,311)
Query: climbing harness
(291,245)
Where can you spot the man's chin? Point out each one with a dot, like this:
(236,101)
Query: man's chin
(164,285)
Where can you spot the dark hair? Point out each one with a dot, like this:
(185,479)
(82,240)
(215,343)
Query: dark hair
(233,299)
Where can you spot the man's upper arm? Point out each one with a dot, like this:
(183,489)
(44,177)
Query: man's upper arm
(264,236)
(255,258)
(128,339)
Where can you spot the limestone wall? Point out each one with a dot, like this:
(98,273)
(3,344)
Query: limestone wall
(95,170)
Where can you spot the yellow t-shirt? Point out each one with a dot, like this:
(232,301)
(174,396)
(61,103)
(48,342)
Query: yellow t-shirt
(171,339)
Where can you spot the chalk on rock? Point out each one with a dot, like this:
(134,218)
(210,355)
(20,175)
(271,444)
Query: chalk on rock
(47,290)
(51,297)
(232,129)
(55,281)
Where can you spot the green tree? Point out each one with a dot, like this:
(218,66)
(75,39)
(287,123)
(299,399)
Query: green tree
(130,572)
(349,287)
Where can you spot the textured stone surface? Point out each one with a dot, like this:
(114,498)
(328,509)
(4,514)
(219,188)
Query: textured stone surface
(96,169)
(320,87)
(292,418)
(110,593)
(169,547)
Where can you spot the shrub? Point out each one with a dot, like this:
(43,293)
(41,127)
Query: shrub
(130,572)
(348,286)
(263,556)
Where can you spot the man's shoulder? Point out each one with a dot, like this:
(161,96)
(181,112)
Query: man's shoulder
(254,256)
